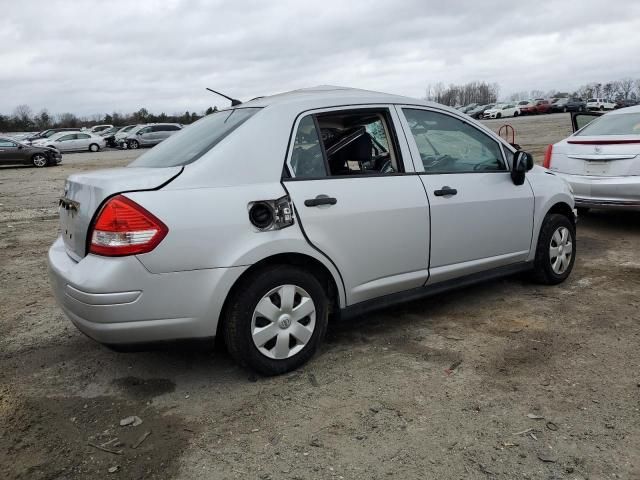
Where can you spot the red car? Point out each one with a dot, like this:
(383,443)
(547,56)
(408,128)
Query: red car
(543,106)
(527,107)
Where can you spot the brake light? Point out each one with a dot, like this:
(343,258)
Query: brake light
(123,227)
(546,163)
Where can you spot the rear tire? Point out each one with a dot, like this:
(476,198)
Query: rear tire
(551,269)
(94,147)
(288,342)
(40,160)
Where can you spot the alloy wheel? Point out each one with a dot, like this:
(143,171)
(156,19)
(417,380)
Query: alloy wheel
(560,250)
(39,160)
(283,322)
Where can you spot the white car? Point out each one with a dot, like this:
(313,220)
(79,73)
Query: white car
(600,104)
(601,160)
(100,128)
(502,110)
(73,142)
(257,221)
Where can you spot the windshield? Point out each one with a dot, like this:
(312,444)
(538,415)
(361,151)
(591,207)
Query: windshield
(195,140)
(618,124)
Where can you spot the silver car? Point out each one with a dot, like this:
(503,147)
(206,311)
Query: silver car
(601,160)
(150,135)
(258,222)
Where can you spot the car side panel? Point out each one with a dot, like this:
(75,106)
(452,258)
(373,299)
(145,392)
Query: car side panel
(210,228)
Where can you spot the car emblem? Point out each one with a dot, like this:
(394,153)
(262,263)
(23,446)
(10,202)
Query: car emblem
(597,149)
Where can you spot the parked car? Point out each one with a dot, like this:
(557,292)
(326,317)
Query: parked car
(543,106)
(149,135)
(568,105)
(478,112)
(501,110)
(15,152)
(257,221)
(100,128)
(469,107)
(601,160)
(600,104)
(73,142)
(624,103)
(527,107)
(110,135)
(46,134)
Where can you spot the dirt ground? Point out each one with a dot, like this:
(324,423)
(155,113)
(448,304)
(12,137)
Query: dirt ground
(505,380)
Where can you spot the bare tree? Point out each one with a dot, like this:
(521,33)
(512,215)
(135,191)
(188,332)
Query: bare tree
(626,87)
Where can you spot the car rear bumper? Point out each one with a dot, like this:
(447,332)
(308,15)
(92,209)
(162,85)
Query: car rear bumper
(116,300)
(604,192)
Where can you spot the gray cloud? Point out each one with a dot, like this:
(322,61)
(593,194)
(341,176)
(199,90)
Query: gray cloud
(99,57)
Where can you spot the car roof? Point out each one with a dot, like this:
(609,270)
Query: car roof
(329,95)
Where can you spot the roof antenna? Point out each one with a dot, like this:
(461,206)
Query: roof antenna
(234,102)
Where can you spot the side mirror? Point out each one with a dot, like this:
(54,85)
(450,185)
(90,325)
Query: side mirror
(522,163)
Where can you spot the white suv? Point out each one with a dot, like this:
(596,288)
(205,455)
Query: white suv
(600,104)
(257,222)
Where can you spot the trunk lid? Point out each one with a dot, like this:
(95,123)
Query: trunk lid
(84,193)
(613,156)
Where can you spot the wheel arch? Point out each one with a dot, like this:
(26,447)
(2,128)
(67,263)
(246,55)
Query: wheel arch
(332,285)
(562,208)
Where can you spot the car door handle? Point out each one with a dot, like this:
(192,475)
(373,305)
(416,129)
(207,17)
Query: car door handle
(320,200)
(444,191)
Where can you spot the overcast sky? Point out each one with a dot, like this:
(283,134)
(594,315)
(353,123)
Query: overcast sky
(92,57)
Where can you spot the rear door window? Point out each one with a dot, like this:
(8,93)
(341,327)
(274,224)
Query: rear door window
(307,159)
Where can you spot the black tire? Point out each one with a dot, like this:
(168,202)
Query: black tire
(133,144)
(39,160)
(542,270)
(239,315)
(94,147)
(602,108)
(515,114)
(499,115)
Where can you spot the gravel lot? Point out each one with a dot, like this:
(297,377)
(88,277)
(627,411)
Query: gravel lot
(446,388)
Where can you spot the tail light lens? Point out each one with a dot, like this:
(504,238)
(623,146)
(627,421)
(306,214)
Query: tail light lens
(547,156)
(123,227)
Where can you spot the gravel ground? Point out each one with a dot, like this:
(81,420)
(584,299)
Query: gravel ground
(504,380)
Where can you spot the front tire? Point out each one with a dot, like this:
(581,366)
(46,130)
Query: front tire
(94,147)
(276,319)
(39,160)
(515,114)
(133,144)
(556,250)
(499,115)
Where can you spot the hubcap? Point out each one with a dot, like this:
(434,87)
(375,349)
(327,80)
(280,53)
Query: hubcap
(283,322)
(560,250)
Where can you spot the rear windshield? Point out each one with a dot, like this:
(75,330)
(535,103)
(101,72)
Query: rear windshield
(618,124)
(195,140)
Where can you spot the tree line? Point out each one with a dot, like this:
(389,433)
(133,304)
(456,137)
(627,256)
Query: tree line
(24,119)
(484,93)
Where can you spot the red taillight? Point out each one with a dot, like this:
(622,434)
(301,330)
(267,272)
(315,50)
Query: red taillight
(547,156)
(123,227)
